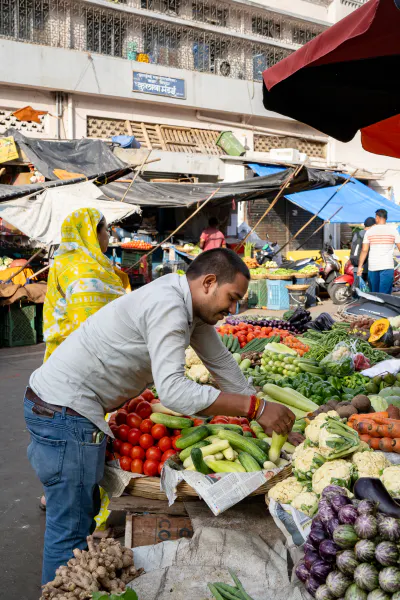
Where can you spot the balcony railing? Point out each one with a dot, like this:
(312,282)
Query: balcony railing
(79,25)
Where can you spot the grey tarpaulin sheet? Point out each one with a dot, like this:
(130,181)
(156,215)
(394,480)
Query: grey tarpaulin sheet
(244,539)
(89,157)
(145,193)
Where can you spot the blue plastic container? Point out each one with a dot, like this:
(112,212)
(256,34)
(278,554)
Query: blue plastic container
(126,141)
(277,294)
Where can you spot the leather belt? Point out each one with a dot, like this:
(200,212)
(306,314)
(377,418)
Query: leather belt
(30,395)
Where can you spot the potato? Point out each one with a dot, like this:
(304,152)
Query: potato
(361,403)
(346,411)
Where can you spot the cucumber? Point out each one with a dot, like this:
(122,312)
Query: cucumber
(248,462)
(261,444)
(245,364)
(237,345)
(186,452)
(247,434)
(198,434)
(225,466)
(230,343)
(244,444)
(198,462)
(171,422)
(214,428)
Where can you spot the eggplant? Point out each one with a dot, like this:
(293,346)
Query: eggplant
(333,490)
(302,572)
(378,594)
(371,488)
(316,536)
(308,546)
(389,580)
(337,502)
(347,562)
(345,536)
(367,507)
(328,550)
(353,592)
(387,554)
(310,557)
(337,583)
(331,526)
(312,585)
(365,550)
(320,570)
(389,528)
(326,513)
(366,527)
(348,514)
(366,577)
(323,593)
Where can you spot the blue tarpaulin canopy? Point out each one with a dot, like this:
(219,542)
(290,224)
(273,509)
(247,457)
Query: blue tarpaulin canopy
(262,170)
(358,202)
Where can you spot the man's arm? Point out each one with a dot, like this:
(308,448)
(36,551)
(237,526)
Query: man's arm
(363,256)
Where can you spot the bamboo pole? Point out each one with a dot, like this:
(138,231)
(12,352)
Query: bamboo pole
(177,229)
(317,213)
(136,174)
(25,265)
(271,206)
(39,272)
(320,227)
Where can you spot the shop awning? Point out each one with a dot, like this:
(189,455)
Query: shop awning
(358,202)
(262,170)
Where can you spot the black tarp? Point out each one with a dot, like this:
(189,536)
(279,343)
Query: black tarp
(145,193)
(88,157)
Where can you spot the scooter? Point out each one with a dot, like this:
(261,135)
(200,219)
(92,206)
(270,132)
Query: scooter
(374,305)
(329,270)
(342,289)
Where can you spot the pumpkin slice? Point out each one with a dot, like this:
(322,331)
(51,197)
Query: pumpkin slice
(381,334)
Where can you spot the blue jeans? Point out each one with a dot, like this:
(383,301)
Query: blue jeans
(70,467)
(381,281)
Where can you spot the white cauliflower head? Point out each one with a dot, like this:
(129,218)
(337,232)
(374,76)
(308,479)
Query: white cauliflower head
(370,464)
(285,491)
(191,357)
(313,430)
(337,472)
(298,451)
(391,480)
(306,502)
(307,462)
(199,374)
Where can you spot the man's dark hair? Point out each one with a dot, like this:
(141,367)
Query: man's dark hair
(381,212)
(369,222)
(213,222)
(221,262)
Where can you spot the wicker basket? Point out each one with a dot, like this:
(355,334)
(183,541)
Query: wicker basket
(280,277)
(149,487)
(305,275)
(254,277)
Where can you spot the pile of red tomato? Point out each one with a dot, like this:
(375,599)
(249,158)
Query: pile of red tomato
(246,332)
(242,421)
(136,245)
(140,445)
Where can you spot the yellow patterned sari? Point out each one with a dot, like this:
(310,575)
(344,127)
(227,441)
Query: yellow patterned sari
(81,280)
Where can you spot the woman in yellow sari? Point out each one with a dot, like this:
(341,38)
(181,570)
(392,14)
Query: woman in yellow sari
(81,279)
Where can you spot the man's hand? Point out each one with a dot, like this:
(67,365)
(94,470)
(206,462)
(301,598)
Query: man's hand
(359,271)
(278,418)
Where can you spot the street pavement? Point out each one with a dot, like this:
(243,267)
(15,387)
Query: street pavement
(21,521)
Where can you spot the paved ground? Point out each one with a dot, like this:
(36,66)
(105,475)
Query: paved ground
(21,521)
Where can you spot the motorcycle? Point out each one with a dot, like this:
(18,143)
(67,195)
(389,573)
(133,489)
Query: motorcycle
(329,269)
(374,305)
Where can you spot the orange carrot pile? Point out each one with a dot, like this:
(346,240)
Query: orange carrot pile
(378,430)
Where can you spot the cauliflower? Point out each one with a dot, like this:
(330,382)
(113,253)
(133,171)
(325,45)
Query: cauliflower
(312,430)
(285,491)
(337,472)
(391,480)
(370,464)
(199,374)
(298,451)
(306,502)
(306,463)
(191,358)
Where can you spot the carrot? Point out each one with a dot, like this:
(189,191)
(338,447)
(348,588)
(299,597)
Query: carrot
(383,421)
(365,438)
(387,444)
(391,430)
(369,416)
(368,428)
(374,443)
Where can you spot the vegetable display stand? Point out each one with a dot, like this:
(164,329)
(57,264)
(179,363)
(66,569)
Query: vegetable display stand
(17,325)
(297,296)
(311,293)
(257,293)
(131,257)
(277,294)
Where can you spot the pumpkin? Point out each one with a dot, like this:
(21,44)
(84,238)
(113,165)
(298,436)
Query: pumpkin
(381,334)
(18,262)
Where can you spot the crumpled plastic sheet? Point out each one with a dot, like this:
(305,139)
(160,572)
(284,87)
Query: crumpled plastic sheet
(180,570)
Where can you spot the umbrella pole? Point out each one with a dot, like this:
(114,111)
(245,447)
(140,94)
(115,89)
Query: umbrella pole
(177,229)
(320,227)
(271,206)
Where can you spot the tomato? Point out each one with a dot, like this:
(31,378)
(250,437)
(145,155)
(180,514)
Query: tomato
(146,441)
(114,429)
(123,432)
(243,326)
(250,337)
(197,422)
(244,421)
(173,440)
(137,466)
(125,463)
(242,345)
(165,443)
(176,432)
(221,419)
(158,431)
(153,453)
(146,426)
(133,420)
(150,468)
(117,446)
(147,395)
(234,421)
(134,436)
(160,468)
(111,420)
(242,339)
(143,409)
(137,452)
(167,455)
(126,449)
(109,456)
(133,403)
(121,416)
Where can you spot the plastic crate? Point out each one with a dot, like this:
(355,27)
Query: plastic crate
(277,294)
(258,293)
(18,326)
(131,257)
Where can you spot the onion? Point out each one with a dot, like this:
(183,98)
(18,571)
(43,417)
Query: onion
(302,572)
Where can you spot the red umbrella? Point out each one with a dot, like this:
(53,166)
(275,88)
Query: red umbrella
(346,79)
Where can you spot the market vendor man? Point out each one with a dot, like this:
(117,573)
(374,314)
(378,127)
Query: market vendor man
(132,342)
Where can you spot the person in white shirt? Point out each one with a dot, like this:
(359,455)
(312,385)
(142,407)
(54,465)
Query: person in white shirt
(132,342)
(378,244)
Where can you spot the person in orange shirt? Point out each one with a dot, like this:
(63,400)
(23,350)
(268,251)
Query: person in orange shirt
(212,237)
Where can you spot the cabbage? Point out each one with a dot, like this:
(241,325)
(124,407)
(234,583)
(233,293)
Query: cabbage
(379,404)
(366,577)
